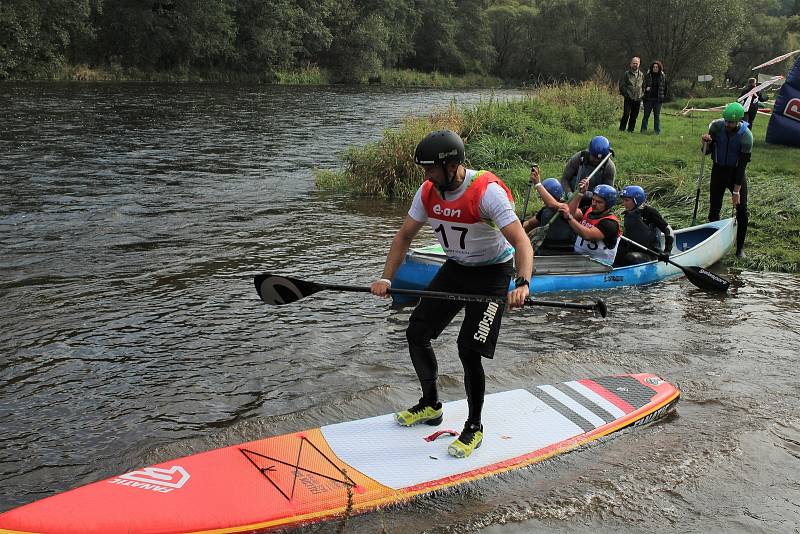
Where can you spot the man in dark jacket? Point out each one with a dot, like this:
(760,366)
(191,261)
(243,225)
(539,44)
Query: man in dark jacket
(630,87)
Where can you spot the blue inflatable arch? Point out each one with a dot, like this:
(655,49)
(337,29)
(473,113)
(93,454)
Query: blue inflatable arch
(784,125)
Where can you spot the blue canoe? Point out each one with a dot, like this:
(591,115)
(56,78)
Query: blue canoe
(701,245)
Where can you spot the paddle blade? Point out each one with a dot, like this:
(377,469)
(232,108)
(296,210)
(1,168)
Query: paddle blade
(278,290)
(601,308)
(705,279)
(537,236)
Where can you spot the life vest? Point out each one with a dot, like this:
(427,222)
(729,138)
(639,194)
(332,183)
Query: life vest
(643,232)
(597,249)
(559,232)
(727,147)
(464,236)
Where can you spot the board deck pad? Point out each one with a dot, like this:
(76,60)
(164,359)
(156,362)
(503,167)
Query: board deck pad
(362,465)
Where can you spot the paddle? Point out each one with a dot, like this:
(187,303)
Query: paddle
(698,276)
(699,181)
(527,196)
(538,234)
(278,290)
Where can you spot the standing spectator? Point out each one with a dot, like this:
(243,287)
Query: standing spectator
(655,90)
(630,87)
(752,111)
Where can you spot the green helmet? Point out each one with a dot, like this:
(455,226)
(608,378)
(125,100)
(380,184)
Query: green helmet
(733,112)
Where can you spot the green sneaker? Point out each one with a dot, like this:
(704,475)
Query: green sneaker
(421,413)
(469,440)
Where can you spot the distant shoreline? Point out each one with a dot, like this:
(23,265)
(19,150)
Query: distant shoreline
(308,76)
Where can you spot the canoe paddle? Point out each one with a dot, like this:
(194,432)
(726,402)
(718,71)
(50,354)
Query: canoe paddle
(698,276)
(538,234)
(699,183)
(278,290)
(527,197)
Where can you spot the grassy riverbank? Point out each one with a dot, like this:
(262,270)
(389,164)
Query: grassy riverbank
(311,75)
(548,127)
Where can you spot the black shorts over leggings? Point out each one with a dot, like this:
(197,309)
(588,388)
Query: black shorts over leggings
(481,326)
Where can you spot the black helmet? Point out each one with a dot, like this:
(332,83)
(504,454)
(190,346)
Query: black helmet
(440,148)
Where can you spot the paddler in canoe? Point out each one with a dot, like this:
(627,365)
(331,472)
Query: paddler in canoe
(594,162)
(643,224)
(598,229)
(549,232)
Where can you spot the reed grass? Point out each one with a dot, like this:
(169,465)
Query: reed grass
(549,125)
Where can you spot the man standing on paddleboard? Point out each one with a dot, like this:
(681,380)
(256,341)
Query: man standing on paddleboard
(472,214)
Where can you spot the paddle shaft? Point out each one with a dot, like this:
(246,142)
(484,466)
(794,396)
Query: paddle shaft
(659,255)
(465,297)
(541,230)
(600,165)
(527,197)
(699,181)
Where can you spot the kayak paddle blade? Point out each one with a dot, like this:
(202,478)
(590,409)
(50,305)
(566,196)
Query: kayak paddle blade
(705,279)
(537,236)
(278,290)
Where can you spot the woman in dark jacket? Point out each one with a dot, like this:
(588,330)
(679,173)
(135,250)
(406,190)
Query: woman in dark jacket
(655,90)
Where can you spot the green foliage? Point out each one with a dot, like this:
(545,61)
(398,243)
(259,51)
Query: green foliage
(311,75)
(689,37)
(510,26)
(499,135)
(413,78)
(762,38)
(367,41)
(35,36)
(507,136)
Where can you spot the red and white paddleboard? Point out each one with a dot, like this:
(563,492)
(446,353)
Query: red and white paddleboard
(361,465)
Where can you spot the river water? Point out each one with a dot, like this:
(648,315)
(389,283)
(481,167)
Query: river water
(132,219)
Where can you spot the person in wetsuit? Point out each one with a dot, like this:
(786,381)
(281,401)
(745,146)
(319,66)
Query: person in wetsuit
(583,163)
(730,143)
(643,224)
(472,214)
(560,238)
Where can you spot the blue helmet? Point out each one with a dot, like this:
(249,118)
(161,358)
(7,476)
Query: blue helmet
(607,193)
(599,147)
(553,187)
(635,193)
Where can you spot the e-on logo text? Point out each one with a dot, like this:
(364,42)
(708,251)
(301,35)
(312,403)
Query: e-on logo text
(447,212)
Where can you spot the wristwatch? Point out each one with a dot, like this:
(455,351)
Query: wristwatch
(520,281)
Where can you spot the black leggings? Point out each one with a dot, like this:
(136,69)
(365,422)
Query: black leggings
(427,369)
(477,337)
(722,178)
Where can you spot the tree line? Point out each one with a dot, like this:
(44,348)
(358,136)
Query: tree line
(353,40)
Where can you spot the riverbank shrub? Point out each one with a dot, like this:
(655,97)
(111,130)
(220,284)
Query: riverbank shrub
(498,133)
(548,126)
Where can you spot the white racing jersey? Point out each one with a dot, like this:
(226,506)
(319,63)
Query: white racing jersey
(468,224)
(597,249)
